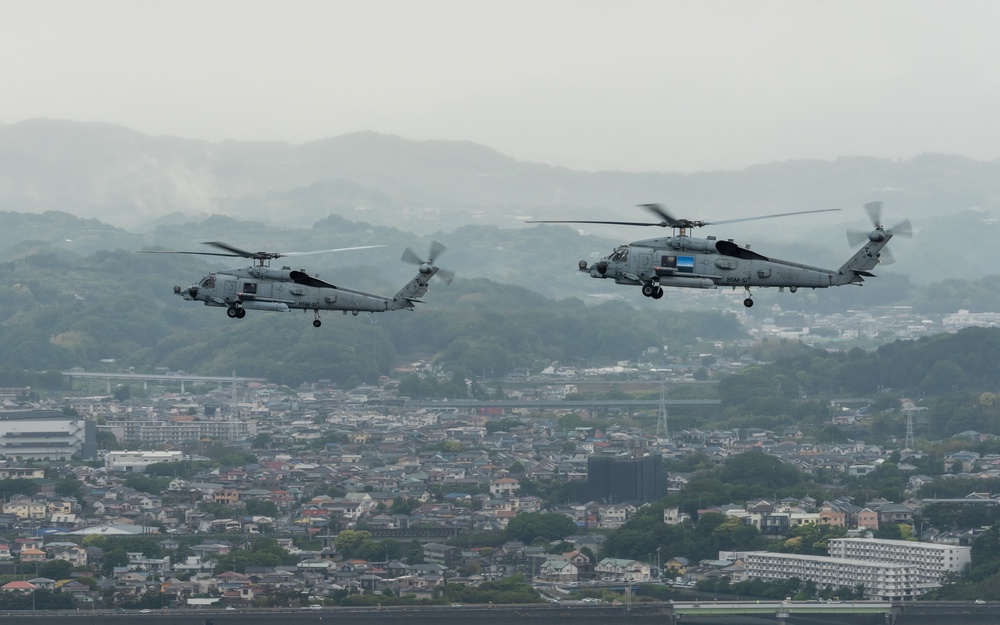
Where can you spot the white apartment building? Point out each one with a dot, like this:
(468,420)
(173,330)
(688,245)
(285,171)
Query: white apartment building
(891,582)
(137,461)
(139,433)
(887,569)
(932,560)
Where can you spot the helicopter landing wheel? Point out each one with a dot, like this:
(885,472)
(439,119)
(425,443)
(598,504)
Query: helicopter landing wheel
(317,323)
(231,312)
(657,293)
(748,302)
(648,290)
(241,312)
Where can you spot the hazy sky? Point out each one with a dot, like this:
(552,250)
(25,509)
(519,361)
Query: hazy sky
(591,84)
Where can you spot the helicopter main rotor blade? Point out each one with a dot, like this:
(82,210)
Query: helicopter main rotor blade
(733,221)
(339,249)
(671,222)
(661,212)
(578,221)
(269,255)
(234,251)
(181,252)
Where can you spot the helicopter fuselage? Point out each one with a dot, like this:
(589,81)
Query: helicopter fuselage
(281,290)
(709,263)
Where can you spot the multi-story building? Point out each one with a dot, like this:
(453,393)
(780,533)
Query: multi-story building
(136,433)
(137,461)
(622,570)
(46,435)
(24,507)
(879,580)
(627,478)
(886,569)
(932,561)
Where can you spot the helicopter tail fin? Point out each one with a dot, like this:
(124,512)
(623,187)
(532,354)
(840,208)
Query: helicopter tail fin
(859,267)
(414,289)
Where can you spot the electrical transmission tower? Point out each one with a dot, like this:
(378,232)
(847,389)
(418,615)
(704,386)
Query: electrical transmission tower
(661,418)
(909,444)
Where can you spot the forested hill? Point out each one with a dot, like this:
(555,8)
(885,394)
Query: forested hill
(955,376)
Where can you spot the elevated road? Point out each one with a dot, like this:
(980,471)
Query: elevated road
(507,405)
(646,613)
(145,378)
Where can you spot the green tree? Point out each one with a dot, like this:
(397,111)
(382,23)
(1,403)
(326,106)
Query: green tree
(347,542)
(261,507)
(415,552)
(528,526)
(55,569)
(70,487)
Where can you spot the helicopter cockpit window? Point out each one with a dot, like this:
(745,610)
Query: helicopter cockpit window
(250,287)
(620,255)
(209,282)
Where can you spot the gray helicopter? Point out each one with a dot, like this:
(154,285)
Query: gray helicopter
(260,287)
(689,262)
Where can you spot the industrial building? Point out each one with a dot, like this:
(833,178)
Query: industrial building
(46,435)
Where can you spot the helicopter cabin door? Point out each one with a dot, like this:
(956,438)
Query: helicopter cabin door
(645,264)
(259,289)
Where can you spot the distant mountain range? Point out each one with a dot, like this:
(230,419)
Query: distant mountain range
(133,188)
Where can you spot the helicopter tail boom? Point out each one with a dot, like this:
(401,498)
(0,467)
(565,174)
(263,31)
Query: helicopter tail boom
(859,266)
(410,294)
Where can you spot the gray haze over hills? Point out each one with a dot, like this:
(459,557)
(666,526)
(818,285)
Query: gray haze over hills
(139,190)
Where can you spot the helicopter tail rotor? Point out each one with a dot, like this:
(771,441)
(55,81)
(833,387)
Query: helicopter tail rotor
(427,265)
(874,210)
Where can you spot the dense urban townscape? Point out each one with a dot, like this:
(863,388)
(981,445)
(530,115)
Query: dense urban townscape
(168,489)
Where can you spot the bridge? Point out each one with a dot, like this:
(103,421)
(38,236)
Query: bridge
(780,610)
(145,378)
(557,404)
(708,612)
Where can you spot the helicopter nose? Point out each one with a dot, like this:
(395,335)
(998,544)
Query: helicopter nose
(602,267)
(189,293)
